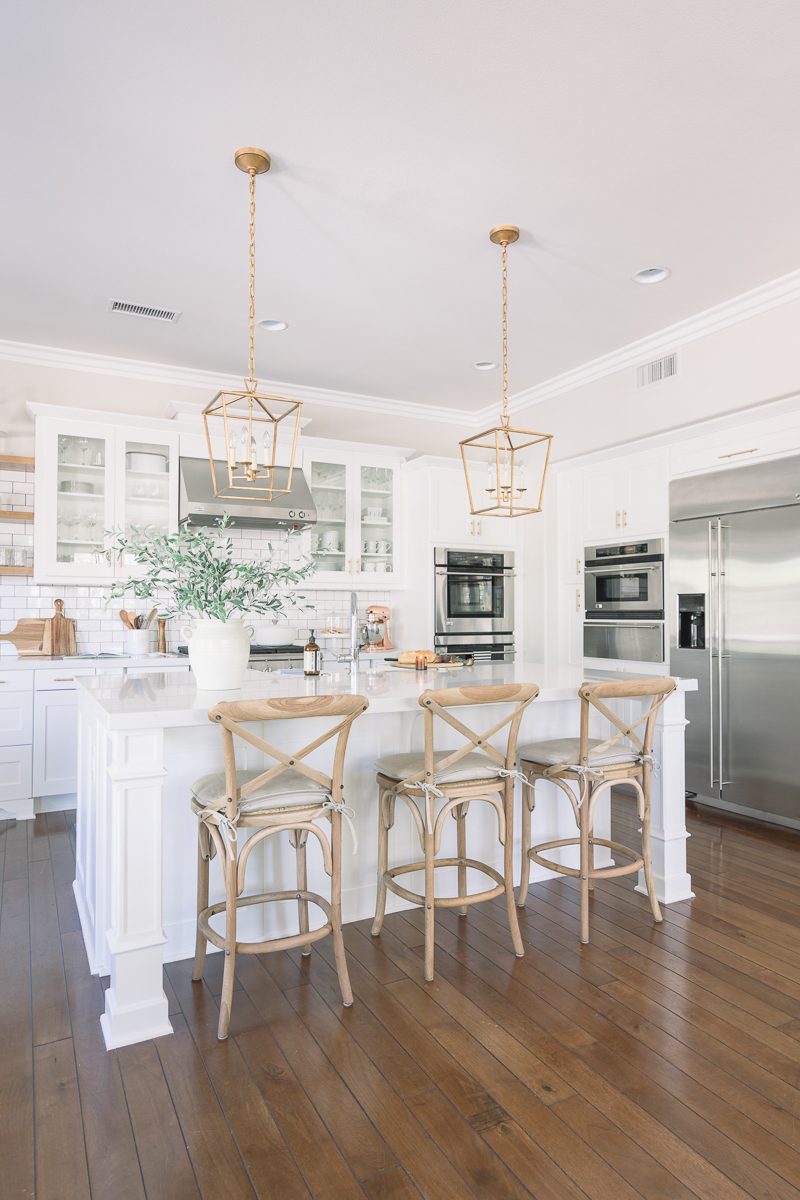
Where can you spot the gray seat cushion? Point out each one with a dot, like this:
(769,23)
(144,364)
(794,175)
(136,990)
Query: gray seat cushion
(291,789)
(567,750)
(472,766)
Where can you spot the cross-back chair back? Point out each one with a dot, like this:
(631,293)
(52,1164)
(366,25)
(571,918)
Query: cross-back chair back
(626,737)
(234,716)
(437,705)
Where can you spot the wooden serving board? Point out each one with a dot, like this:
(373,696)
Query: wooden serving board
(59,634)
(27,635)
(431,666)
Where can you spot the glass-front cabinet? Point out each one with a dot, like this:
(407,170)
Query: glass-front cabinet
(376,519)
(148,474)
(91,480)
(329,541)
(83,505)
(356,498)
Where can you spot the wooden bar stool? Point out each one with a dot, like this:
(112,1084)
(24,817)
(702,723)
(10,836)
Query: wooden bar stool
(595,766)
(289,797)
(449,782)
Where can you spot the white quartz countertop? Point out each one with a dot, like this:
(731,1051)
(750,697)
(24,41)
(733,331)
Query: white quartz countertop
(11,661)
(171,700)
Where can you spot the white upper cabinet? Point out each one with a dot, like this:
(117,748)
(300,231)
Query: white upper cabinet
(359,528)
(625,497)
(92,479)
(451,522)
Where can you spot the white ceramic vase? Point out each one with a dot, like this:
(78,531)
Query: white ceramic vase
(218,652)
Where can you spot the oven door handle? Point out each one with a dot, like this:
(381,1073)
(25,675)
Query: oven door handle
(626,570)
(617,624)
(509,574)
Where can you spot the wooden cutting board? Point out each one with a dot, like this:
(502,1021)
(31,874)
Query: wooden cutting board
(27,635)
(59,633)
(431,666)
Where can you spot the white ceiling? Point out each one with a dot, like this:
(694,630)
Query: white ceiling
(617,134)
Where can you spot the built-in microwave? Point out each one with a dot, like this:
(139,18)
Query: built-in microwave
(625,581)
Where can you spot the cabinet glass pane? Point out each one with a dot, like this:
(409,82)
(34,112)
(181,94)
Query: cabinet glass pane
(328,483)
(377,520)
(146,486)
(80,499)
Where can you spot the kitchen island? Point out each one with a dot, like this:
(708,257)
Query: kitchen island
(143,740)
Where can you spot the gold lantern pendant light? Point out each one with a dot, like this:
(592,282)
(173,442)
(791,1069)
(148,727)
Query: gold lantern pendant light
(505,467)
(259,430)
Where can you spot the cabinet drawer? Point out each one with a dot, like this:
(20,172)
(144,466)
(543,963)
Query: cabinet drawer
(15,772)
(16,718)
(57,679)
(17,681)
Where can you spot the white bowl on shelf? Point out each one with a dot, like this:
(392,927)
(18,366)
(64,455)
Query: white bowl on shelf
(146,460)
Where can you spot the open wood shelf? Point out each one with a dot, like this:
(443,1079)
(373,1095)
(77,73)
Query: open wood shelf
(16,514)
(16,570)
(20,461)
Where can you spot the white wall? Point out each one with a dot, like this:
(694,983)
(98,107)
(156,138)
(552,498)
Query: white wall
(750,363)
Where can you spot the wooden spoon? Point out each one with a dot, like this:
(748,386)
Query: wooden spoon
(150,616)
(126,619)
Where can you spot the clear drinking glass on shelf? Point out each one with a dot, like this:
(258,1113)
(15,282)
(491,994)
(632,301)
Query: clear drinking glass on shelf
(91,527)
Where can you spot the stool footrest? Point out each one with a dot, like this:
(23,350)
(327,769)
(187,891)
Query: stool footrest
(291,942)
(637,863)
(445,901)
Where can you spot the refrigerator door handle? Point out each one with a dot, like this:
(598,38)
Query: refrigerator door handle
(720,644)
(711,575)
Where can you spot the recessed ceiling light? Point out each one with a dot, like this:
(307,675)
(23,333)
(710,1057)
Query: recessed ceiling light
(273,326)
(485,365)
(652,275)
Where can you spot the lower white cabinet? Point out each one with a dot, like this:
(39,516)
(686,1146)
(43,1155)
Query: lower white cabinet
(55,763)
(15,773)
(16,718)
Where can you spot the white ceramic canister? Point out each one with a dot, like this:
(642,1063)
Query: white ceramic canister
(137,641)
(218,652)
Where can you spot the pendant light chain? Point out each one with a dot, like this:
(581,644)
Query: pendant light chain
(504,248)
(251,382)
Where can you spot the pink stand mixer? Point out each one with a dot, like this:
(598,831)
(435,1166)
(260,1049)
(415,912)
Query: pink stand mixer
(377,629)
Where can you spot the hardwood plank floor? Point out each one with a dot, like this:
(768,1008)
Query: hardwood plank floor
(660,1063)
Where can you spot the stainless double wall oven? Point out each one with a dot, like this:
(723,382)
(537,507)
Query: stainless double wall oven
(624,590)
(474,603)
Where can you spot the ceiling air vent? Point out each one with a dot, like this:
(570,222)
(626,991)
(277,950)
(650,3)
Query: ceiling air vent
(658,369)
(143,310)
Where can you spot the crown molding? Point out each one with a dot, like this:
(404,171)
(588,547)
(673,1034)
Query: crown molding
(731,312)
(740,308)
(211,382)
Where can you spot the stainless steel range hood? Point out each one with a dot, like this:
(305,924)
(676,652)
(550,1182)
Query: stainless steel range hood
(199,506)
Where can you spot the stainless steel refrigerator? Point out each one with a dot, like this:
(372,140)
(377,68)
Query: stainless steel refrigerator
(734,571)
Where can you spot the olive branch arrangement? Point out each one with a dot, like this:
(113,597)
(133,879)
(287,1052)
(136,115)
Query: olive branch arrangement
(193,572)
